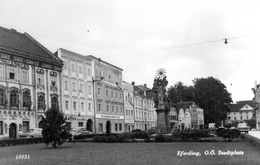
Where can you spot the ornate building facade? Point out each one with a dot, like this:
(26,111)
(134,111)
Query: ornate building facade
(77,91)
(29,82)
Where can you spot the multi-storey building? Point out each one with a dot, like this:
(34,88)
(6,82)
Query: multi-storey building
(186,115)
(77,92)
(29,82)
(145,115)
(128,106)
(240,111)
(108,97)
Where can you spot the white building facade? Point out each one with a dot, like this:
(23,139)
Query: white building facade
(77,90)
(128,106)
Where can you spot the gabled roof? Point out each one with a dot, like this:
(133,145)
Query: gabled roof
(25,46)
(240,104)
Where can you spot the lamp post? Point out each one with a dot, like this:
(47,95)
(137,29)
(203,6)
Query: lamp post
(94,98)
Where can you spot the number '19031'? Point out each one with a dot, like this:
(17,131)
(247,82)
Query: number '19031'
(22,157)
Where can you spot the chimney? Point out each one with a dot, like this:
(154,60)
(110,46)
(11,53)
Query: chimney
(133,83)
(145,85)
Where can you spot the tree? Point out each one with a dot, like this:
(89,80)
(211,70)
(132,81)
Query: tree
(54,127)
(211,95)
(180,92)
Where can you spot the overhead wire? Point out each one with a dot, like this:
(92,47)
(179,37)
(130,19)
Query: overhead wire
(198,43)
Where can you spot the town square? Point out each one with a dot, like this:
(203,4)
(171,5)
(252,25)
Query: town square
(134,82)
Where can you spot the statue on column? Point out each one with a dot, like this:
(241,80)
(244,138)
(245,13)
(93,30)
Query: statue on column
(160,100)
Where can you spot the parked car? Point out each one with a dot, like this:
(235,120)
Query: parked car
(37,132)
(77,132)
(243,127)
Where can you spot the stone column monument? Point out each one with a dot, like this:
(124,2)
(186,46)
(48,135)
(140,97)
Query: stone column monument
(159,87)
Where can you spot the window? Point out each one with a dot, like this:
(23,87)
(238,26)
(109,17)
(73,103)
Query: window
(89,106)
(88,71)
(73,67)
(121,109)
(80,124)
(14,97)
(116,109)
(1,127)
(1,72)
(126,98)
(98,92)
(41,102)
(89,90)
(107,93)
(80,69)
(82,106)
(112,108)
(115,126)
(2,96)
(12,73)
(66,85)
(107,108)
(26,98)
(120,96)
(235,118)
(81,87)
(66,104)
(112,94)
(75,105)
(99,107)
(120,127)
(24,77)
(100,127)
(40,79)
(116,95)
(25,126)
(74,86)
(54,101)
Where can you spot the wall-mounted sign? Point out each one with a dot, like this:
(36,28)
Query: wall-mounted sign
(109,116)
(129,121)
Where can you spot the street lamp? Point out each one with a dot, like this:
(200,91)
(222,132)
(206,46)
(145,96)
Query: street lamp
(94,97)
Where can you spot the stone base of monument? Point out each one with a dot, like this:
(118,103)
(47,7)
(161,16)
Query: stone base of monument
(162,122)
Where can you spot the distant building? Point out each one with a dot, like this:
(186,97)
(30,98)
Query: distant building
(129,106)
(77,90)
(145,114)
(187,115)
(29,82)
(240,111)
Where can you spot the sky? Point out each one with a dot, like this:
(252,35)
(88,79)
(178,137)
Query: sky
(186,38)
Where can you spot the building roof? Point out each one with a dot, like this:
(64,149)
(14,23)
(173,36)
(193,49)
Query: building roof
(25,46)
(240,104)
(141,89)
(99,59)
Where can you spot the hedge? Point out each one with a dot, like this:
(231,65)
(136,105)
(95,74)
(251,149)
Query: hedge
(12,142)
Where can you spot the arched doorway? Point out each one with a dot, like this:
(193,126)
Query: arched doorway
(12,130)
(108,127)
(145,127)
(129,129)
(40,125)
(90,125)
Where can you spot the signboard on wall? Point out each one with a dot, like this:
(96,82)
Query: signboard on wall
(109,116)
